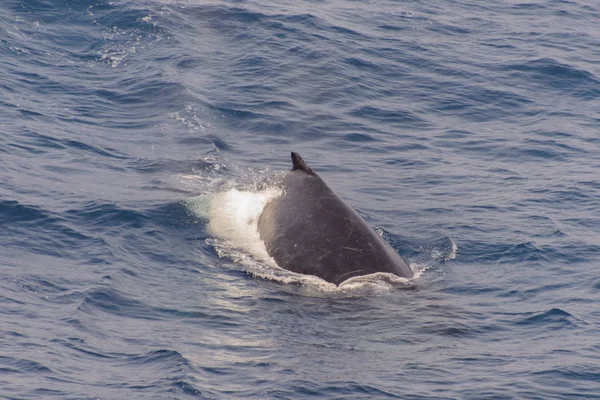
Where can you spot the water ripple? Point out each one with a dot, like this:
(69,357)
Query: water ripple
(466,132)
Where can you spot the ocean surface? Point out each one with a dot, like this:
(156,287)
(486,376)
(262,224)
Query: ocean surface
(132,136)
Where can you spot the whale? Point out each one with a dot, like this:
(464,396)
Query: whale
(309,230)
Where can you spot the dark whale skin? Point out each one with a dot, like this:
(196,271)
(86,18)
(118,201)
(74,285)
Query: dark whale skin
(310,230)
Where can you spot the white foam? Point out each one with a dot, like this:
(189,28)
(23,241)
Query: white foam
(451,255)
(190,118)
(233,218)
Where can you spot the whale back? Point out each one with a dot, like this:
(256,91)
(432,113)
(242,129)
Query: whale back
(310,230)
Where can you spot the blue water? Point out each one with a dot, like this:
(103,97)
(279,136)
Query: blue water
(466,122)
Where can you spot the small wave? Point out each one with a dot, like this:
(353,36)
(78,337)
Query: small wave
(126,32)
(194,118)
(33,228)
(425,252)
(110,301)
(13,211)
(163,356)
(508,253)
(554,317)
(107,215)
(21,366)
(556,75)
(398,118)
(185,387)
(206,165)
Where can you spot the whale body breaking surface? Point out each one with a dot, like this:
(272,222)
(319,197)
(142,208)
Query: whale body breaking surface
(309,230)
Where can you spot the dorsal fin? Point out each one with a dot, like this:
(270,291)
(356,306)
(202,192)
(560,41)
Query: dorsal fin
(299,163)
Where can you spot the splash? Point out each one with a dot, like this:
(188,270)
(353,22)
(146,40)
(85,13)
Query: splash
(232,221)
(233,218)
(231,215)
